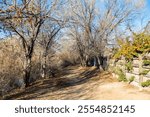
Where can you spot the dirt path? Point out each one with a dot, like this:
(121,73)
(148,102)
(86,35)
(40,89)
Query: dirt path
(81,83)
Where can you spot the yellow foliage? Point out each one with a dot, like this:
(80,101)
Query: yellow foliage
(128,49)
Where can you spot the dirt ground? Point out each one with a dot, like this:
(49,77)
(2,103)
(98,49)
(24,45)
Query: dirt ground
(75,83)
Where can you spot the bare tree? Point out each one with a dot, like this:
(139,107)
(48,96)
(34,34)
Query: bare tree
(115,13)
(25,18)
(94,29)
(49,35)
(82,19)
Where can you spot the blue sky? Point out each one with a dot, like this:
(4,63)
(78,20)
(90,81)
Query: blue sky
(147,10)
(148,4)
(141,20)
(145,15)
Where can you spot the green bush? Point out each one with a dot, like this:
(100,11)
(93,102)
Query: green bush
(145,72)
(145,84)
(131,79)
(146,62)
(122,77)
(119,72)
(116,70)
(129,66)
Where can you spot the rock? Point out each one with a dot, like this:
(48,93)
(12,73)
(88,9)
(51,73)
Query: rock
(19,83)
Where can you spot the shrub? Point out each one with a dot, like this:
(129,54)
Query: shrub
(122,76)
(146,62)
(129,66)
(117,70)
(145,72)
(145,84)
(131,79)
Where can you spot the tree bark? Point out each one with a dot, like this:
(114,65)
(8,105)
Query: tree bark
(83,62)
(86,61)
(43,75)
(27,71)
(95,62)
(99,64)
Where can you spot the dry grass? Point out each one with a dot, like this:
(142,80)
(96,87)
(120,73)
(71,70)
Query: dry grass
(12,63)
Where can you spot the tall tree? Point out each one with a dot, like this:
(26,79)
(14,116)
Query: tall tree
(82,18)
(25,18)
(47,40)
(110,18)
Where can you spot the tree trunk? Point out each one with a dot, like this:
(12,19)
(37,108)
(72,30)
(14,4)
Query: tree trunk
(27,71)
(95,62)
(107,63)
(99,64)
(83,62)
(86,61)
(43,75)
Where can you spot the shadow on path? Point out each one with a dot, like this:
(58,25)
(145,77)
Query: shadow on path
(68,78)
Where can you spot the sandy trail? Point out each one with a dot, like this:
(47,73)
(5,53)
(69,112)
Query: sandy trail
(81,83)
